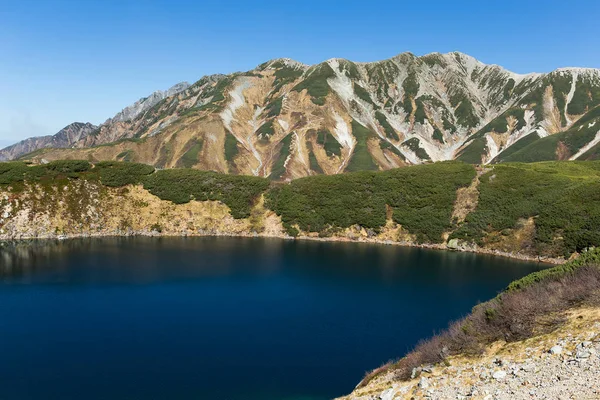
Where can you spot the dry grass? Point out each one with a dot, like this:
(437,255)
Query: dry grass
(513,316)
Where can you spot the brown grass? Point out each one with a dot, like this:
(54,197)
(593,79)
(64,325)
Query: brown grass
(512,316)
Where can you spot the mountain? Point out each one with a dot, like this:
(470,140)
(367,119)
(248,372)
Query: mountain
(80,134)
(64,138)
(286,120)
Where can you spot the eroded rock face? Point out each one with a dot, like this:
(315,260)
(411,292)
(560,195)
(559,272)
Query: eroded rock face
(286,120)
(65,138)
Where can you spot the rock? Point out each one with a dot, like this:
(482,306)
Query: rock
(499,375)
(581,354)
(415,373)
(556,350)
(387,394)
(528,367)
(453,244)
(424,383)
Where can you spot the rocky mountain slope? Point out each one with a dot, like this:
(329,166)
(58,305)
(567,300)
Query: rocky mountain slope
(80,134)
(286,120)
(64,138)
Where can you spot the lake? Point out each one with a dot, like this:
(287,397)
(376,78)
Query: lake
(223,318)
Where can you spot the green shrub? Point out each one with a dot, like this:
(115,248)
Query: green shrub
(180,186)
(361,159)
(190,157)
(421,199)
(389,131)
(329,143)
(117,174)
(68,166)
(316,84)
(414,145)
(563,197)
(279,165)
(231,147)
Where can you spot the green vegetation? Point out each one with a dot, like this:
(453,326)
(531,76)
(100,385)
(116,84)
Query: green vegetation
(314,163)
(500,123)
(118,174)
(508,90)
(520,144)
(126,156)
(437,135)
(284,75)
(110,173)
(586,96)
(350,69)
(570,141)
(433,60)
(411,88)
(361,159)
(284,152)
(266,131)
(474,151)
(17,172)
(387,128)
(383,145)
(273,109)
(362,94)
(329,143)
(166,152)
(414,144)
(68,166)
(231,147)
(421,199)
(190,157)
(464,111)
(316,83)
(380,75)
(180,186)
(562,197)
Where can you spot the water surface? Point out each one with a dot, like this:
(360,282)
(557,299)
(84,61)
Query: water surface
(223,318)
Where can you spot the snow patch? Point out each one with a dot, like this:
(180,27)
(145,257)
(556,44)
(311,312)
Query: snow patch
(283,124)
(300,150)
(542,132)
(492,148)
(341,84)
(570,96)
(342,132)
(237,101)
(254,123)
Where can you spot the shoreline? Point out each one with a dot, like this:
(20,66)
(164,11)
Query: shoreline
(430,246)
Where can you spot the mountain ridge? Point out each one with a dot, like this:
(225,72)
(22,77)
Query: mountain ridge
(286,119)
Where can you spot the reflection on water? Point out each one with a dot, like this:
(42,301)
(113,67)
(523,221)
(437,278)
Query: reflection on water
(222,318)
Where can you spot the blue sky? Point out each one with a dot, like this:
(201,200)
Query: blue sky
(83,60)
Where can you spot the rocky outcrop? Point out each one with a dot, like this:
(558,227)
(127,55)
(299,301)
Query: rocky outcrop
(80,134)
(286,120)
(65,138)
(564,364)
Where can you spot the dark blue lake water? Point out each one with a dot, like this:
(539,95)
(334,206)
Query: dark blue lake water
(223,318)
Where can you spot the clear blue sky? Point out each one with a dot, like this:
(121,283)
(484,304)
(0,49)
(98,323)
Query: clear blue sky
(84,60)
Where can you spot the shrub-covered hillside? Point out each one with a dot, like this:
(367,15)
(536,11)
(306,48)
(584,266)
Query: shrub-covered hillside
(418,198)
(562,199)
(549,209)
